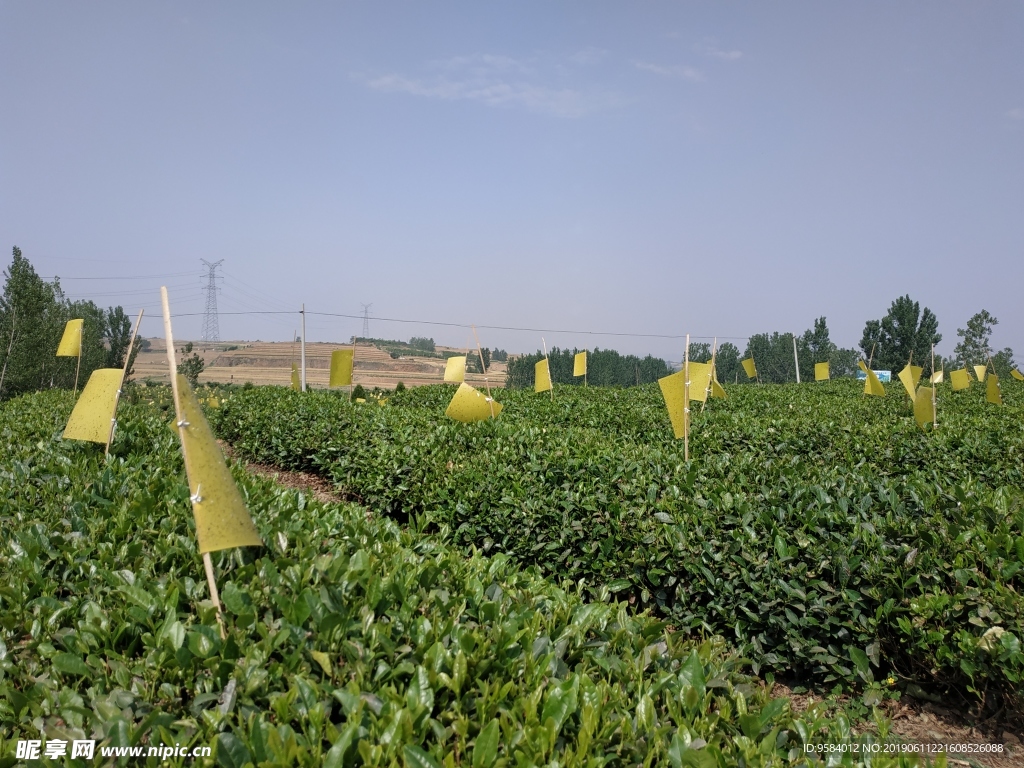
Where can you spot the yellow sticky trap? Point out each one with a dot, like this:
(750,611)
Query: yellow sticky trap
(872,386)
(700,381)
(296,382)
(673,389)
(471,405)
(821,372)
(71,342)
(1017,375)
(979,371)
(909,377)
(992,392)
(222,521)
(579,364)
(748,368)
(541,376)
(214,402)
(341,368)
(938,377)
(960,379)
(716,389)
(455,369)
(91,418)
(923,413)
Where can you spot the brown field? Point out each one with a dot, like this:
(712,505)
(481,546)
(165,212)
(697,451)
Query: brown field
(270,362)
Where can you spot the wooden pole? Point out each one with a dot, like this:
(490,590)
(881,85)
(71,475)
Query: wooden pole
(487,384)
(78,362)
(935,405)
(124,373)
(182,425)
(302,340)
(686,400)
(10,345)
(352,378)
(796,360)
(710,387)
(551,379)
(872,355)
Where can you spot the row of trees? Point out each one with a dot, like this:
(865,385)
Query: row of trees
(33,313)
(605,368)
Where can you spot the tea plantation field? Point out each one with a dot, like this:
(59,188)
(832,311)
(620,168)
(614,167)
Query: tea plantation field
(352,641)
(818,530)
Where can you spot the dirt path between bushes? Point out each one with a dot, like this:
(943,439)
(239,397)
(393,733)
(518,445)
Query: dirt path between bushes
(919,725)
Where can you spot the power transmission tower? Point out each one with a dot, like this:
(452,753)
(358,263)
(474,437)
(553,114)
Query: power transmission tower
(211,326)
(366,320)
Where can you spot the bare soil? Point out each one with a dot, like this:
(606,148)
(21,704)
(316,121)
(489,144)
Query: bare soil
(270,362)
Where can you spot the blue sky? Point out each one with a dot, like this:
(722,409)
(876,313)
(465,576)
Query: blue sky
(655,168)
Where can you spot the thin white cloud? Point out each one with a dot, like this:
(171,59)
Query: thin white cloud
(718,53)
(683,72)
(561,102)
(483,63)
(495,81)
(1017,113)
(589,55)
(710,47)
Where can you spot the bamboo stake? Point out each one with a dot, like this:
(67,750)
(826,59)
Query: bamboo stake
(124,373)
(78,362)
(686,400)
(872,355)
(302,379)
(796,359)
(935,386)
(10,345)
(487,384)
(172,362)
(352,378)
(710,387)
(551,379)
(910,362)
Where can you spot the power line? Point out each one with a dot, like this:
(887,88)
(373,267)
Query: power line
(211,327)
(467,325)
(121,277)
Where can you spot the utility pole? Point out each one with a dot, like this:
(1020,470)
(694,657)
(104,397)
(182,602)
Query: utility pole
(303,387)
(366,320)
(211,325)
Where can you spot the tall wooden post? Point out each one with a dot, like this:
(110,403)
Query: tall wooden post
(182,425)
(124,374)
(686,400)
(302,377)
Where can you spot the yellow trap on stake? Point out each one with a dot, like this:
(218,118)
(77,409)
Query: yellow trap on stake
(471,405)
(222,521)
(673,389)
(71,342)
(93,413)
(341,368)
(455,369)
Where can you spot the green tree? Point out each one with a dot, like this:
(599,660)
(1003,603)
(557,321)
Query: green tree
(975,346)
(869,341)
(190,367)
(119,334)
(32,317)
(421,343)
(905,331)
(773,356)
(727,362)
(605,368)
